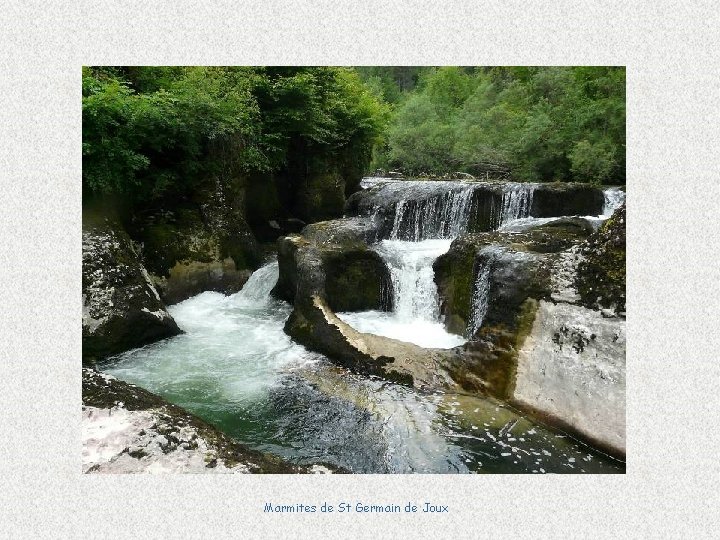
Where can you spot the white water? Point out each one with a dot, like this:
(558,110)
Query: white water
(423,229)
(416,314)
(614,198)
(221,331)
(236,368)
(517,201)
(441,216)
(480,299)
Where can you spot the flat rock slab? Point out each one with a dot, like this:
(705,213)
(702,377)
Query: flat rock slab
(571,371)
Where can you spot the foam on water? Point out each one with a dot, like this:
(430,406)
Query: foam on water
(416,310)
(231,347)
(236,368)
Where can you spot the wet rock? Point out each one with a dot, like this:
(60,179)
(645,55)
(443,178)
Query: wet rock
(567,199)
(518,268)
(356,280)
(313,324)
(320,277)
(121,307)
(519,271)
(337,264)
(189,278)
(127,430)
(571,373)
(342,231)
(571,366)
(288,277)
(601,272)
(349,276)
(199,246)
(514,276)
(381,199)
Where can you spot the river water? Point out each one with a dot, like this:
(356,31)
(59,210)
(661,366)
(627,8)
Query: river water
(236,368)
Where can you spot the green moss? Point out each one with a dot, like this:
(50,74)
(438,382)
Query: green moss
(525,321)
(601,275)
(355,279)
(454,277)
(323,197)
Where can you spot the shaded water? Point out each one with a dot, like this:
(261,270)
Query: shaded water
(237,369)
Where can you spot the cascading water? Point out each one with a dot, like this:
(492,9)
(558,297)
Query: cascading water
(480,299)
(441,216)
(516,202)
(423,229)
(614,198)
(416,313)
(236,368)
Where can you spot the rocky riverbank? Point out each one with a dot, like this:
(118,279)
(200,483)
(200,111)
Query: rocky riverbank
(127,429)
(540,302)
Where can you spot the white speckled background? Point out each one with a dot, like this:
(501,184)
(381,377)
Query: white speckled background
(670,48)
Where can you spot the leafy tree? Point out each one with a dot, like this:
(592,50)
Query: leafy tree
(540,123)
(156,132)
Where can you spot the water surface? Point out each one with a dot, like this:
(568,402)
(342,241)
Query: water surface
(236,368)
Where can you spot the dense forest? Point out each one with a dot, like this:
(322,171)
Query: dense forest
(534,123)
(155,132)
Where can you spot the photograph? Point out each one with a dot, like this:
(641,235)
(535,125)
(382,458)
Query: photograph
(353,269)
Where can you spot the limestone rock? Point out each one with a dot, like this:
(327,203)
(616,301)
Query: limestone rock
(571,373)
(518,268)
(601,273)
(199,246)
(129,430)
(121,307)
(320,276)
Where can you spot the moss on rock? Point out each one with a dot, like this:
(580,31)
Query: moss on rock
(520,270)
(356,279)
(121,306)
(601,272)
(321,197)
(202,244)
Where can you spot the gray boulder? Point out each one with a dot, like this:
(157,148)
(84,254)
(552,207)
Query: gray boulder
(121,307)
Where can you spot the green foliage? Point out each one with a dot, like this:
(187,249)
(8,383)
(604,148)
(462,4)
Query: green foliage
(593,161)
(158,132)
(153,133)
(540,123)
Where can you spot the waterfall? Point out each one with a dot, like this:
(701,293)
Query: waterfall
(480,299)
(516,202)
(442,216)
(416,308)
(413,286)
(614,198)
(256,291)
